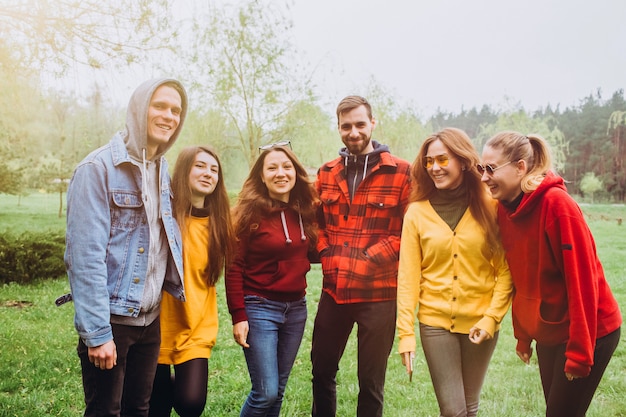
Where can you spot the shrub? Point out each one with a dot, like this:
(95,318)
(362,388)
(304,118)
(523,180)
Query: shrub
(31,256)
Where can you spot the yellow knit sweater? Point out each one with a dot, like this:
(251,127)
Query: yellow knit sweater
(450,277)
(189,329)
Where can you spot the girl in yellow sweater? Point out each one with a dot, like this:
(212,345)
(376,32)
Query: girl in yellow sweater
(189,329)
(452,272)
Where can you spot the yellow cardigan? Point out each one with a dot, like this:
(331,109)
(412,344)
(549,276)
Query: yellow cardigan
(450,277)
(189,329)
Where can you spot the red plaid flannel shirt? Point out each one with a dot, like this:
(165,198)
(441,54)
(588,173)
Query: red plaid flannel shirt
(359,242)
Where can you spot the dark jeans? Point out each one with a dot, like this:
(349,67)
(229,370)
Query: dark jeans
(185,390)
(376,329)
(572,398)
(125,389)
(275,334)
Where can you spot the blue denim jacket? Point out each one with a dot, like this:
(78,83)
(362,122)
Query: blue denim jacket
(107,240)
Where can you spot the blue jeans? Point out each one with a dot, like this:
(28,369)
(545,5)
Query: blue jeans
(276,330)
(125,389)
(457,369)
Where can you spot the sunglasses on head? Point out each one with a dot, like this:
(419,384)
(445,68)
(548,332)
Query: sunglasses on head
(442,160)
(281,144)
(489,168)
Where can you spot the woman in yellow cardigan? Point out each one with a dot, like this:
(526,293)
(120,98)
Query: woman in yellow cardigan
(189,329)
(452,272)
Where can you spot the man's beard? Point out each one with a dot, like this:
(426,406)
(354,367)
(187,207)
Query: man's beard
(358,147)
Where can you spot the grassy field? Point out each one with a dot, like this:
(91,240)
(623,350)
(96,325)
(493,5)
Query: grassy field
(40,375)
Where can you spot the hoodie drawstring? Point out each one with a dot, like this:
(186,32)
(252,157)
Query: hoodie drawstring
(367,157)
(355,180)
(144,177)
(286,231)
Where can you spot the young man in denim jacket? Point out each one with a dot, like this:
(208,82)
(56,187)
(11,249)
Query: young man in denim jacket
(122,248)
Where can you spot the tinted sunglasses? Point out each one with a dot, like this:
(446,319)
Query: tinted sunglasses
(490,169)
(442,160)
(281,144)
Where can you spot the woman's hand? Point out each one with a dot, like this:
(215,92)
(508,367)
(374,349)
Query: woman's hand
(240,332)
(571,377)
(407,361)
(477,335)
(525,357)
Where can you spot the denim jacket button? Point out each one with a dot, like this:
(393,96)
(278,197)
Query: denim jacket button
(130,309)
(136,280)
(141,250)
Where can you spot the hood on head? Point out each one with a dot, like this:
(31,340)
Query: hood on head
(136,133)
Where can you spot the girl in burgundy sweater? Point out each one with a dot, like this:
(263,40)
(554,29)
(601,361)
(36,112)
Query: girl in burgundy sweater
(265,285)
(561,299)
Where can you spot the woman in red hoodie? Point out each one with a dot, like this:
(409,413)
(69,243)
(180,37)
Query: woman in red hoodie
(561,299)
(265,285)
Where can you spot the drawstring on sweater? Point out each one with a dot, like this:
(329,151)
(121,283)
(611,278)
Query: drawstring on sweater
(286,231)
(144,177)
(145,192)
(356,180)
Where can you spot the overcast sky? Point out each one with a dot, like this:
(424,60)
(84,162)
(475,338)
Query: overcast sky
(452,53)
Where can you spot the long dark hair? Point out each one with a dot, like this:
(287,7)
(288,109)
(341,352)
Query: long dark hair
(254,202)
(221,236)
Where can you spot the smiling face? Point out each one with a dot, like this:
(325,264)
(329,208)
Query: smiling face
(163,117)
(505,182)
(279,175)
(446,177)
(355,128)
(203,178)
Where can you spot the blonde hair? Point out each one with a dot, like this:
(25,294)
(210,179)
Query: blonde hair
(532,148)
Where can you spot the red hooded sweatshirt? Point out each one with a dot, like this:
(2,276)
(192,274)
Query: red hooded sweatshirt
(561,294)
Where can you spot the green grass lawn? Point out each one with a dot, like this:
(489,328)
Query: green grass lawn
(40,374)
(34,212)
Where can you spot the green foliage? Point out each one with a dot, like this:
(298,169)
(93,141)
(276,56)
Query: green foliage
(617,132)
(245,64)
(312,133)
(11,177)
(520,121)
(54,34)
(469,121)
(591,147)
(590,184)
(397,126)
(248,86)
(31,256)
